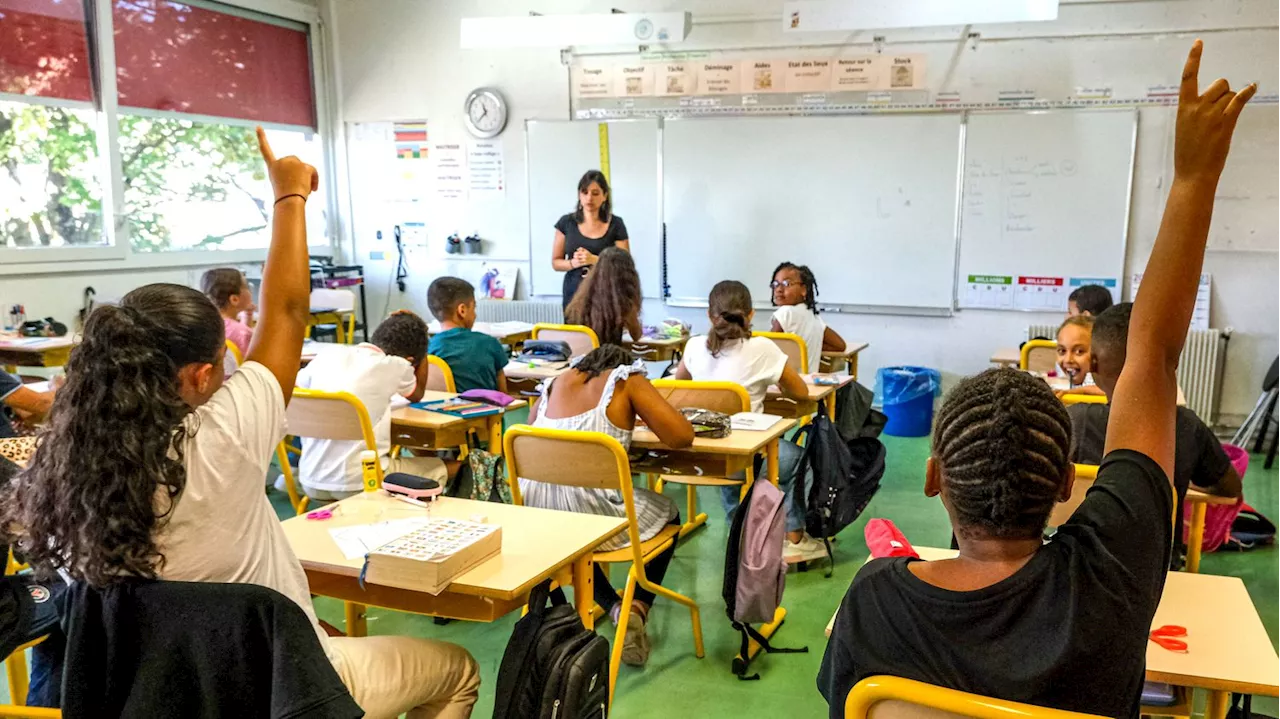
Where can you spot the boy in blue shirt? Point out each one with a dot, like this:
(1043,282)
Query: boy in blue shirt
(476,359)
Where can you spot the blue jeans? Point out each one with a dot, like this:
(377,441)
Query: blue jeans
(789,456)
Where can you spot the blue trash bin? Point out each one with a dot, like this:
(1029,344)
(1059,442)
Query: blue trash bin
(906,394)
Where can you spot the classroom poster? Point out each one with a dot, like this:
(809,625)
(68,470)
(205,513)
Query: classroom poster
(592,80)
(993,292)
(411,139)
(449,172)
(904,72)
(763,76)
(858,74)
(1111,283)
(485,169)
(809,75)
(633,81)
(1040,293)
(674,79)
(719,78)
(1200,315)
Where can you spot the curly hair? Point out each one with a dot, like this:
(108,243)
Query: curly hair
(589,178)
(1002,441)
(806,276)
(88,500)
(604,358)
(403,334)
(728,306)
(607,297)
(221,284)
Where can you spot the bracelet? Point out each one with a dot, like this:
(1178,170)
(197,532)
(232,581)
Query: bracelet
(295,194)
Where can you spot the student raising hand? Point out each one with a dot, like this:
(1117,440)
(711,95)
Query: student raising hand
(1205,122)
(286,278)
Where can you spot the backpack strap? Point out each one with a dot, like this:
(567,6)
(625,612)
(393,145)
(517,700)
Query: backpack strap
(749,633)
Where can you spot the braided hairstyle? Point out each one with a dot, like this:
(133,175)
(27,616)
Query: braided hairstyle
(1002,441)
(729,308)
(604,358)
(806,276)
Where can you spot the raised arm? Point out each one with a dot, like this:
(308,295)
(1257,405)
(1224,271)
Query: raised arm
(286,277)
(1142,407)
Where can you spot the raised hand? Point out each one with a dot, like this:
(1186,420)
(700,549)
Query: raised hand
(1205,122)
(289,175)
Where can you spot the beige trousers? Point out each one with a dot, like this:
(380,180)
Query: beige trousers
(389,676)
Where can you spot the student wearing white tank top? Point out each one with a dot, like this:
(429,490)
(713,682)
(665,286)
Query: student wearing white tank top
(795,294)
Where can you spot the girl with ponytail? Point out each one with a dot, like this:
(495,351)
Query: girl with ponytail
(729,353)
(152,467)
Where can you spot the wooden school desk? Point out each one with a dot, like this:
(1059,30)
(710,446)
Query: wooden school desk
(652,349)
(34,351)
(1007,357)
(776,404)
(523,378)
(1229,650)
(1057,383)
(537,544)
(507,333)
(836,361)
(1199,503)
(435,430)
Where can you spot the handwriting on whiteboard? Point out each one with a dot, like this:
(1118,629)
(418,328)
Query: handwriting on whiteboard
(1008,192)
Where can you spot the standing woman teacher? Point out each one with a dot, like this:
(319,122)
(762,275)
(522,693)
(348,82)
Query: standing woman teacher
(584,233)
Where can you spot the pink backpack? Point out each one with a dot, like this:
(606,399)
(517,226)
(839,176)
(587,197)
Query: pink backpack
(1218,518)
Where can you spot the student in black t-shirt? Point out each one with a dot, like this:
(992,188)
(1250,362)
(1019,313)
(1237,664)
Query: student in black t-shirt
(586,232)
(1061,623)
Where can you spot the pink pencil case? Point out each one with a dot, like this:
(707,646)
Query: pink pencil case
(412,486)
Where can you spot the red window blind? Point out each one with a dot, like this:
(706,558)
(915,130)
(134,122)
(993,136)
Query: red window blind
(184,58)
(44,49)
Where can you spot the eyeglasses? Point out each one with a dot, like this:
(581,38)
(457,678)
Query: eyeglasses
(785,283)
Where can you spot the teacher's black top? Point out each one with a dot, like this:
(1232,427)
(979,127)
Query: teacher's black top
(573,239)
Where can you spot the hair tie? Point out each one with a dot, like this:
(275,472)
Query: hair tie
(735,318)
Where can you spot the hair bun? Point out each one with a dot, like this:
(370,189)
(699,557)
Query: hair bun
(735,317)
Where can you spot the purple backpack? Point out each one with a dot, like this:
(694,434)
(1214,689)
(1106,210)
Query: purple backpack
(754,573)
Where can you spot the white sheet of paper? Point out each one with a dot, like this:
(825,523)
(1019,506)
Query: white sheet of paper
(360,539)
(753,421)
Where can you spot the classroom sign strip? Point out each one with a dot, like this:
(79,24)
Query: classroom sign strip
(1027,292)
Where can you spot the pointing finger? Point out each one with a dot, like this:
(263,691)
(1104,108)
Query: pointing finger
(265,147)
(1191,74)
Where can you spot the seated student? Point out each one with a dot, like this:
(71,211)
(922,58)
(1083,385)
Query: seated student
(1198,456)
(1074,358)
(1088,300)
(166,480)
(729,353)
(604,392)
(229,291)
(393,366)
(608,300)
(477,360)
(17,397)
(1061,623)
(795,294)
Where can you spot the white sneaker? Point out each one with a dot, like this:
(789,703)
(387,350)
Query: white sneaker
(279,483)
(806,550)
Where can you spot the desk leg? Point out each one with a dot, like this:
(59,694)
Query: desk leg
(831,407)
(1196,537)
(583,594)
(853,367)
(357,624)
(1216,703)
(771,460)
(495,434)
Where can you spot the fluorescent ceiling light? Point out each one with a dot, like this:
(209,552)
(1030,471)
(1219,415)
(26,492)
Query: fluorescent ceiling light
(819,15)
(568,30)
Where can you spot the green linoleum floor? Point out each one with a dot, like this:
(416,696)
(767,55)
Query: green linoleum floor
(676,681)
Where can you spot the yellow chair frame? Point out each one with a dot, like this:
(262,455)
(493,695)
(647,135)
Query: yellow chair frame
(783,339)
(871,691)
(366,428)
(1024,356)
(1071,398)
(235,352)
(578,329)
(727,397)
(601,463)
(438,365)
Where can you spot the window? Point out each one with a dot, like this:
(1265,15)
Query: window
(188,83)
(50,195)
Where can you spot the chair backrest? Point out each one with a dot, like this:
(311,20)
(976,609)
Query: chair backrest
(726,397)
(580,339)
(1070,399)
(232,360)
(897,698)
(592,460)
(440,376)
(339,300)
(1062,511)
(792,345)
(329,415)
(1039,356)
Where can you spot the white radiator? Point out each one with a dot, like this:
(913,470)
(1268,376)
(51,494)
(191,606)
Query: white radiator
(519,311)
(1199,369)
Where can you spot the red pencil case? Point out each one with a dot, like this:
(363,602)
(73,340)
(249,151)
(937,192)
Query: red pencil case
(884,539)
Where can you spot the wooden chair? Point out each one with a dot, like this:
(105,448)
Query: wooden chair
(338,304)
(324,415)
(440,376)
(727,397)
(1039,356)
(792,345)
(885,697)
(232,360)
(593,460)
(581,339)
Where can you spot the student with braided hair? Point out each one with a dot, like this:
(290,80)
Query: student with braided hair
(1061,623)
(795,294)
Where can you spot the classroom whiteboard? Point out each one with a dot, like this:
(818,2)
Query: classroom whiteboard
(869,203)
(1244,206)
(558,153)
(1045,206)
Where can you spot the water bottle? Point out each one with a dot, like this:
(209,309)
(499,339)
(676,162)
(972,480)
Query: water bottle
(369,469)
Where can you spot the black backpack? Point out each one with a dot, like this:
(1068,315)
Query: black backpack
(846,475)
(553,666)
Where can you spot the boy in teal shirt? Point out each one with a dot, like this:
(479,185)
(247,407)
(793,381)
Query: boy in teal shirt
(476,359)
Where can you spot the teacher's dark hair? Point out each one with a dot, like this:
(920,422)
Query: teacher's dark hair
(607,297)
(88,501)
(729,308)
(606,207)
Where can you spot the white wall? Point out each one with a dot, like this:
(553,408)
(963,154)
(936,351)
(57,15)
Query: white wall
(399,59)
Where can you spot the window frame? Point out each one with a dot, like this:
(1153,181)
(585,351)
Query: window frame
(118,254)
